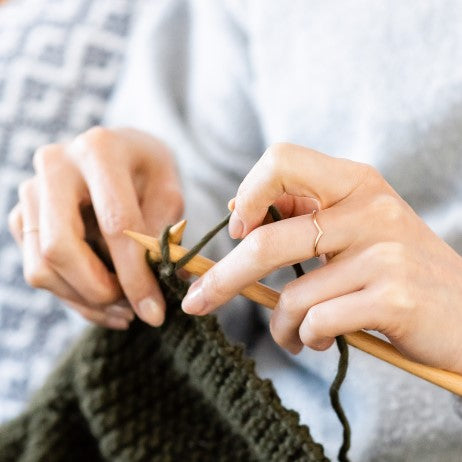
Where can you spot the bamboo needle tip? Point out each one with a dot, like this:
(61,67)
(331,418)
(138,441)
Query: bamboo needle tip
(176,232)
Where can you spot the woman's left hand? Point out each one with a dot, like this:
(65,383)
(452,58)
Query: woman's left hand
(386,270)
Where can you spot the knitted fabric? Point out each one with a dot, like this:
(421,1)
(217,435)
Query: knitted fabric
(59,62)
(179,392)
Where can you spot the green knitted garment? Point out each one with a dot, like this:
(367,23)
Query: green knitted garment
(176,393)
(180,392)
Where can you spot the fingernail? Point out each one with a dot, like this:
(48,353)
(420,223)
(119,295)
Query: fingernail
(151,312)
(321,345)
(235,226)
(295,348)
(120,311)
(231,204)
(193,303)
(115,322)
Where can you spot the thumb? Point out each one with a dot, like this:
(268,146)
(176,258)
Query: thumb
(294,170)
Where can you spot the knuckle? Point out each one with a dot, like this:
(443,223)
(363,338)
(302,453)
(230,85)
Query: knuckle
(305,336)
(46,156)
(277,150)
(311,328)
(52,251)
(275,155)
(26,189)
(397,299)
(98,136)
(283,302)
(38,276)
(388,207)
(13,219)
(113,221)
(95,142)
(90,315)
(215,285)
(401,298)
(87,316)
(276,332)
(87,313)
(370,173)
(99,295)
(389,255)
(286,300)
(260,243)
(315,322)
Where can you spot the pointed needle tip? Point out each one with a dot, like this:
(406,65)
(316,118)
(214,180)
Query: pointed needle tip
(176,232)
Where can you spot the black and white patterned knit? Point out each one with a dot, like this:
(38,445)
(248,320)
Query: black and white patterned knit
(59,60)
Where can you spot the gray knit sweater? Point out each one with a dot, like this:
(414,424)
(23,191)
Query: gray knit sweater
(379,82)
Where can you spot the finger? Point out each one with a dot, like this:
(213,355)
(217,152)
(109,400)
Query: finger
(120,309)
(267,248)
(288,205)
(37,272)
(136,279)
(342,315)
(104,318)
(116,206)
(62,231)
(333,280)
(291,206)
(40,275)
(297,171)
(15,223)
(183,274)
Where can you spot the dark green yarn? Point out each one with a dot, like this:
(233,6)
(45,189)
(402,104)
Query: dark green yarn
(335,397)
(276,216)
(179,392)
(166,269)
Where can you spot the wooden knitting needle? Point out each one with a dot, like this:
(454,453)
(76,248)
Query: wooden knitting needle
(175,233)
(268,297)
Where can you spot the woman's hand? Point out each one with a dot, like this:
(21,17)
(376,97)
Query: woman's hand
(386,270)
(93,188)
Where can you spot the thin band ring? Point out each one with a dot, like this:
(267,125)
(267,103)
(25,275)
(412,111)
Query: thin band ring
(320,233)
(30,229)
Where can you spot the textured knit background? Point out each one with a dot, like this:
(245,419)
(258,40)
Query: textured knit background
(59,60)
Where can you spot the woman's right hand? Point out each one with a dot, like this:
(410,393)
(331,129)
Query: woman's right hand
(125,179)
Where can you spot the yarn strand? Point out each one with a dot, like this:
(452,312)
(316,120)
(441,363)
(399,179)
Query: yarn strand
(204,241)
(335,397)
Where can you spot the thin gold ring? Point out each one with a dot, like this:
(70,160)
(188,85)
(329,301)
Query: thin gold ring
(320,233)
(30,229)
